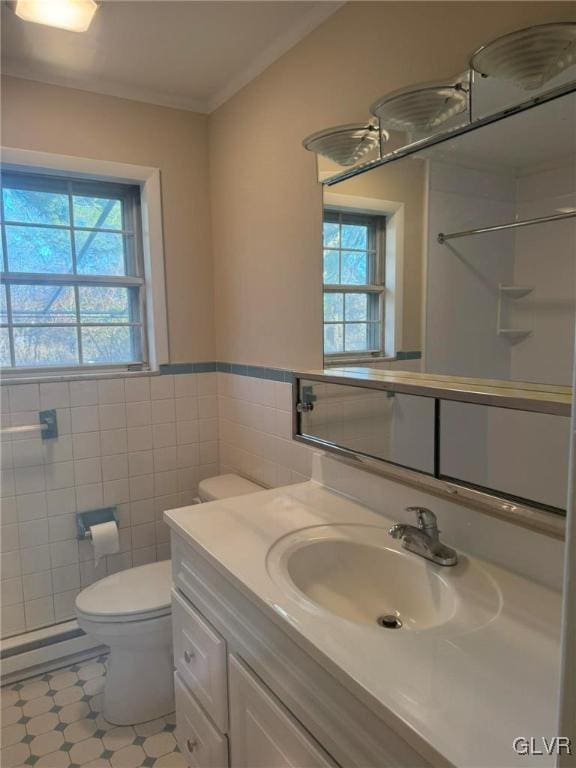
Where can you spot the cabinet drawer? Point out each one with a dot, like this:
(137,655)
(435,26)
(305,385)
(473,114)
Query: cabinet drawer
(200,658)
(263,732)
(202,745)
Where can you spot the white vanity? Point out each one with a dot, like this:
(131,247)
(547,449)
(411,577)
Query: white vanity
(280,660)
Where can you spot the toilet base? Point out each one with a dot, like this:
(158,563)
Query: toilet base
(139,686)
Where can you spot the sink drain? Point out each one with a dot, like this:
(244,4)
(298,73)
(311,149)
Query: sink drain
(389,621)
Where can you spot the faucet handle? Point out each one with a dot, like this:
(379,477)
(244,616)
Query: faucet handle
(426,518)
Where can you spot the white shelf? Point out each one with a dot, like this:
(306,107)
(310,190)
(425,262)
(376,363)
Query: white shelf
(514,334)
(516,291)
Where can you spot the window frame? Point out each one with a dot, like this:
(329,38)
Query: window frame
(151,280)
(375,287)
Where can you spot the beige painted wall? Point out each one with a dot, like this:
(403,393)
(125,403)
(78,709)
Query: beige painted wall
(66,121)
(266,206)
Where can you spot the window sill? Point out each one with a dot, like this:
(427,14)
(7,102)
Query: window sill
(47,378)
(339,361)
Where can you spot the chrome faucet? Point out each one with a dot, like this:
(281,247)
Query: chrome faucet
(423,539)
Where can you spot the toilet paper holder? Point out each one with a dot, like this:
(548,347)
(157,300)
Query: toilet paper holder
(84,520)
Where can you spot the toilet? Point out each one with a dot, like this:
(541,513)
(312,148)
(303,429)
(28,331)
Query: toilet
(130,611)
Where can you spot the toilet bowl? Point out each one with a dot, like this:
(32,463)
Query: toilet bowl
(130,611)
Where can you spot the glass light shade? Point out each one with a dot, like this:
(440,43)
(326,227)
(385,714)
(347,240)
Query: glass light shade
(420,108)
(73,15)
(344,144)
(528,57)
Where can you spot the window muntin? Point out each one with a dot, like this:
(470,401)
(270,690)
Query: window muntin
(353,283)
(72,285)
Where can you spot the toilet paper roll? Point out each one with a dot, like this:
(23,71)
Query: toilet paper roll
(105,540)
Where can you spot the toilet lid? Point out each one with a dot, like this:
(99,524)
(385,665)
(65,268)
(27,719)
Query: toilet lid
(129,594)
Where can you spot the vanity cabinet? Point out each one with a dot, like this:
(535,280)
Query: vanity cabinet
(263,734)
(248,696)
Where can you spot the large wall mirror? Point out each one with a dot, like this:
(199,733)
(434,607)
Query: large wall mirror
(424,276)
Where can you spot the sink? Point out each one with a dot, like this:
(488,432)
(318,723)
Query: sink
(360,574)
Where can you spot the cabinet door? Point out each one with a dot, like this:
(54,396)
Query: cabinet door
(263,734)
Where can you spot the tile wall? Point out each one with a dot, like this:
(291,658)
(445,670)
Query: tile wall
(139,443)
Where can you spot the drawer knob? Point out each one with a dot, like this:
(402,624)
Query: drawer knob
(188,656)
(191,745)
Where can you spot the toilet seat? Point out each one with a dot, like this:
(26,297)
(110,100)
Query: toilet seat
(136,594)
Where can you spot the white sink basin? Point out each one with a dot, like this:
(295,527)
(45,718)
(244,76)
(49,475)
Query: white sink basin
(361,574)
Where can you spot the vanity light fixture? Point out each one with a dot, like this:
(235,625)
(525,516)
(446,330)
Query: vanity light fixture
(72,15)
(528,57)
(422,107)
(344,144)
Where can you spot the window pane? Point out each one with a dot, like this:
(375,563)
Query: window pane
(357,306)
(356,337)
(334,307)
(354,268)
(331,267)
(97,212)
(43,304)
(4,348)
(333,339)
(355,236)
(331,235)
(36,207)
(112,344)
(46,346)
(107,305)
(3,307)
(33,249)
(100,253)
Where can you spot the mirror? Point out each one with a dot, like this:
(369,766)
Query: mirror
(394,427)
(495,305)
(501,450)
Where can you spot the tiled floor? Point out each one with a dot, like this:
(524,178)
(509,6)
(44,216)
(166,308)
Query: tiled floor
(55,721)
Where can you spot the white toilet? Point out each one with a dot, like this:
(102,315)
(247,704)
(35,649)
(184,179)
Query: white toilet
(130,611)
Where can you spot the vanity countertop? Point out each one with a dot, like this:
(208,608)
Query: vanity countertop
(464,695)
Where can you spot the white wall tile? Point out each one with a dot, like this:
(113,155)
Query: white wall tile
(140,463)
(137,389)
(10,564)
(27,453)
(34,533)
(89,572)
(207,383)
(37,585)
(13,621)
(85,419)
(12,591)
(141,487)
(165,483)
(116,492)
(89,496)
(143,535)
(61,502)
(83,393)
(6,455)
(143,556)
(35,559)
(30,506)
(163,411)
(9,512)
(114,467)
(164,459)
(59,449)
(39,613)
(29,479)
(138,414)
(111,391)
(188,456)
(87,471)
(139,439)
(185,385)
(54,395)
(112,416)
(86,445)
(7,485)
(142,511)
(208,430)
(64,605)
(59,475)
(186,408)
(63,553)
(208,407)
(161,387)
(187,432)
(163,435)
(24,397)
(208,453)
(62,528)
(113,442)
(66,578)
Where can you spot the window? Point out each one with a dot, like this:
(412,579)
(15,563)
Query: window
(72,283)
(353,284)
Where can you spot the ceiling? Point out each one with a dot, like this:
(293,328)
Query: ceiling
(186,54)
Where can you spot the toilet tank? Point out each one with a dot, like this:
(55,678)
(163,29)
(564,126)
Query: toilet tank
(224,487)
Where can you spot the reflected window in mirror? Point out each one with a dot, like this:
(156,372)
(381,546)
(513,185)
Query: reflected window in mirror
(354,284)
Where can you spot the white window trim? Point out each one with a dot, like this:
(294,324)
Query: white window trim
(394,269)
(148,179)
